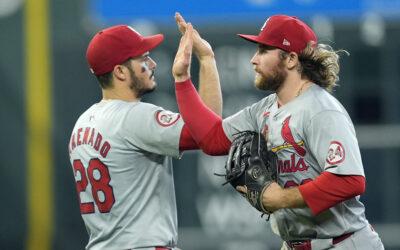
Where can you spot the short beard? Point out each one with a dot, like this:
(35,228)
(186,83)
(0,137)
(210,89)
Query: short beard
(138,86)
(273,81)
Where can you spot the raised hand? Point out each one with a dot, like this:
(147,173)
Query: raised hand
(183,58)
(201,47)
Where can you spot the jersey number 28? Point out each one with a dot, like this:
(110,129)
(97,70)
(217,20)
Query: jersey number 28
(99,179)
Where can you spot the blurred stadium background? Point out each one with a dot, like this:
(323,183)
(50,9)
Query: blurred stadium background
(46,84)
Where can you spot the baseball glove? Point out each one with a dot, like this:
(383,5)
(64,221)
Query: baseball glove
(250,164)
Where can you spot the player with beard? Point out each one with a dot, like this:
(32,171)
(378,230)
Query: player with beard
(315,202)
(121,148)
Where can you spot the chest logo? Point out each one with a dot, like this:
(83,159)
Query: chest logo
(336,153)
(289,140)
(166,118)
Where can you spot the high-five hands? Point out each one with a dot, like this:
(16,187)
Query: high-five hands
(183,58)
(209,85)
(201,47)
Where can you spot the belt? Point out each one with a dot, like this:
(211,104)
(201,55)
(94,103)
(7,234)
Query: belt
(306,244)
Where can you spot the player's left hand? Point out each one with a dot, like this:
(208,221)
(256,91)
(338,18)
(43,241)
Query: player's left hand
(201,47)
(183,58)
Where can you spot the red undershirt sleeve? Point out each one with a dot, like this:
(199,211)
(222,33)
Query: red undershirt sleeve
(186,141)
(204,125)
(216,142)
(329,189)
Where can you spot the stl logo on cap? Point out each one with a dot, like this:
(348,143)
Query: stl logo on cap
(265,24)
(285,32)
(137,33)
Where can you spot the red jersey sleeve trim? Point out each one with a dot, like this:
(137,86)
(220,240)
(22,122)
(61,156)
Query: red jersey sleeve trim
(328,189)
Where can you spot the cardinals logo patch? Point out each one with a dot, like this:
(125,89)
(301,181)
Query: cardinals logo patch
(336,153)
(289,139)
(166,118)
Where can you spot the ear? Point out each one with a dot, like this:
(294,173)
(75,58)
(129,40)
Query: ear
(292,60)
(120,72)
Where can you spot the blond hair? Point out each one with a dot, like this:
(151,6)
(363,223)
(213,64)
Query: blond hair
(320,64)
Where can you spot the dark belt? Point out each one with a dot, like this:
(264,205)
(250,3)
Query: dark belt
(306,244)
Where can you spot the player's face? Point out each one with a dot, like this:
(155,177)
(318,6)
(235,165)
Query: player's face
(269,68)
(142,75)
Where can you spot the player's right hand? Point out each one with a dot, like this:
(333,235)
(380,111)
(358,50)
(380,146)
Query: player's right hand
(183,58)
(201,47)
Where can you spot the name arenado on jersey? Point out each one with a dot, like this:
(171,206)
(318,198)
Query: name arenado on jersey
(90,137)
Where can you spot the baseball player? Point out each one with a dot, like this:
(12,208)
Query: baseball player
(121,148)
(315,202)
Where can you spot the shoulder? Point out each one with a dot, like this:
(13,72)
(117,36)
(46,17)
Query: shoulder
(119,108)
(268,100)
(145,109)
(321,107)
(86,113)
(145,106)
(264,103)
(321,100)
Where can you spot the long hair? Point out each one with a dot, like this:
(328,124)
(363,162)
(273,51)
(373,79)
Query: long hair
(320,65)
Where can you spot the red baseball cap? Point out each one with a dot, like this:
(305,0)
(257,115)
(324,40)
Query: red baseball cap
(284,32)
(115,45)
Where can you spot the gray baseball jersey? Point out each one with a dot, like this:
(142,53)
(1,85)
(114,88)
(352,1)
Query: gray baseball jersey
(311,134)
(120,153)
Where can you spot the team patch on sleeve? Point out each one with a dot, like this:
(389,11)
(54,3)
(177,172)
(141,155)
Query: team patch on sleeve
(336,153)
(166,118)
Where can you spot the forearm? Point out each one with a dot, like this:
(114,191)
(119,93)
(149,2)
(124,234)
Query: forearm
(292,198)
(326,191)
(275,198)
(209,87)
